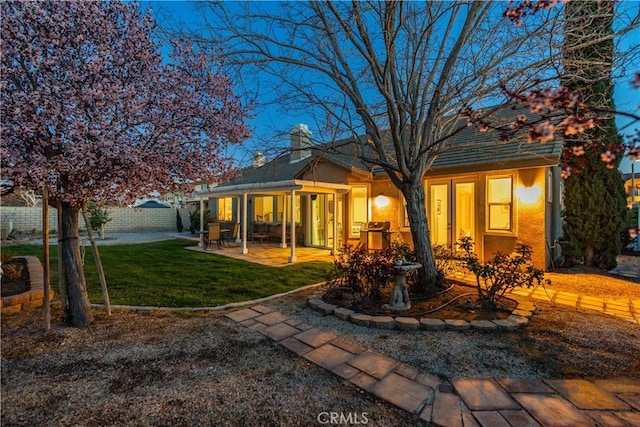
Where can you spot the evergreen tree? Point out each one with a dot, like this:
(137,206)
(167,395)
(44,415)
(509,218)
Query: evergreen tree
(594,199)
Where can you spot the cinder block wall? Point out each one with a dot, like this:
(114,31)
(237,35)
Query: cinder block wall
(123,220)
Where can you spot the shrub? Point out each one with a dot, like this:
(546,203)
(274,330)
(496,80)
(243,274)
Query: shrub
(502,272)
(97,216)
(361,272)
(194,220)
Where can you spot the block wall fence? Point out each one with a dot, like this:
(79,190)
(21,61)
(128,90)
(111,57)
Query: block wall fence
(123,220)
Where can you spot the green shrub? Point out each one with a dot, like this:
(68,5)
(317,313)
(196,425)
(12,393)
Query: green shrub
(502,272)
(194,220)
(97,216)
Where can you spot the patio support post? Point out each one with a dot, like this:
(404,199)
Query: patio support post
(283,242)
(243,249)
(334,249)
(238,238)
(292,257)
(202,223)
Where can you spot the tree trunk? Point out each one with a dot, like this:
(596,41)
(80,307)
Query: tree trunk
(589,255)
(79,308)
(427,275)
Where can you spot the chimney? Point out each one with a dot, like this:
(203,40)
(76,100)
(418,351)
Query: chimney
(300,143)
(258,159)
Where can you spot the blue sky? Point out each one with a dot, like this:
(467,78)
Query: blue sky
(267,120)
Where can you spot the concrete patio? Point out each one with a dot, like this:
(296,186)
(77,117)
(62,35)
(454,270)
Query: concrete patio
(270,254)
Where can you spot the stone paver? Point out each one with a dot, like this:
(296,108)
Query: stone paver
(279,331)
(551,410)
(298,347)
(519,418)
(343,313)
(383,322)
(373,364)
(432,324)
(345,371)
(478,403)
(315,337)
(483,394)
(364,381)
(407,323)
(484,325)
(244,314)
(447,410)
(619,385)
(608,419)
(402,392)
(490,419)
(271,318)
(524,385)
(586,395)
(457,325)
(632,400)
(328,356)
(361,319)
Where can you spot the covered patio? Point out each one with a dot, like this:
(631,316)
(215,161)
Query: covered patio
(288,190)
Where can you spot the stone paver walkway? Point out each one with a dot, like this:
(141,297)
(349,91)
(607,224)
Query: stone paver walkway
(628,309)
(466,402)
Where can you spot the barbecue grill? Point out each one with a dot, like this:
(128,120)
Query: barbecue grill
(376,236)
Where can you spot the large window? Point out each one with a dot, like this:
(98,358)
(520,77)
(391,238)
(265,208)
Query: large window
(263,209)
(359,209)
(225,209)
(500,203)
(284,204)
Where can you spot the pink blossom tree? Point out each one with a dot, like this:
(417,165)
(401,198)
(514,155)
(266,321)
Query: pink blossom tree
(91,111)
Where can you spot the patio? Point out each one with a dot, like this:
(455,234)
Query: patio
(270,254)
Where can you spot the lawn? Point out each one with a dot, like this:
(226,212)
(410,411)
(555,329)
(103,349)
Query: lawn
(165,274)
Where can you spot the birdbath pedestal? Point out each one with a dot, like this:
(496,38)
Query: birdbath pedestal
(400,297)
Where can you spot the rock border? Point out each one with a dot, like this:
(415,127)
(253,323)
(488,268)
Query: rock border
(519,318)
(32,298)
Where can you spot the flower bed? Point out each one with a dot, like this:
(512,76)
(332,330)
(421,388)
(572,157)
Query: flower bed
(32,298)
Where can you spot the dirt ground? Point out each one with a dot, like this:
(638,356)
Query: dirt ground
(177,369)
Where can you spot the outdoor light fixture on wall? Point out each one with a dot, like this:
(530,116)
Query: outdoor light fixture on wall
(381,201)
(528,195)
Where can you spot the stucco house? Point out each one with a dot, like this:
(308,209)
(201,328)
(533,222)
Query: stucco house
(496,192)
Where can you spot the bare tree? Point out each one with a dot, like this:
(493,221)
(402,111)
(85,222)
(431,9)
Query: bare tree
(399,72)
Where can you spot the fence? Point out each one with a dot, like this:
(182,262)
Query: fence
(123,220)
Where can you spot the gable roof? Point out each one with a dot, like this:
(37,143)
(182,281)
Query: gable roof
(472,150)
(469,151)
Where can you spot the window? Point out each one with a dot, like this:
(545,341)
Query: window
(225,209)
(500,203)
(359,210)
(284,204)
(263,209)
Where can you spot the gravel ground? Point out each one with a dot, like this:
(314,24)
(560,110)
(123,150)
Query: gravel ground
(174,369)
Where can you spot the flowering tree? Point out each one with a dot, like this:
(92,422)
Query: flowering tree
(91,111)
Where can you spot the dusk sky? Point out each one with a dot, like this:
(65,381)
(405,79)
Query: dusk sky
(178,14)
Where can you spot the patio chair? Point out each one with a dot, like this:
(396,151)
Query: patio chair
(214,235)
(232,234)
(261,234)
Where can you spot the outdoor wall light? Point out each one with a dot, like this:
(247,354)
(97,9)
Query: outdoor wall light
(381,201)
(529,195)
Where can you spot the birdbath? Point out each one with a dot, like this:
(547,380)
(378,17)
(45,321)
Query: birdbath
(400,298)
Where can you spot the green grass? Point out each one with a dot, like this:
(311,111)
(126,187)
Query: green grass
(165,274)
